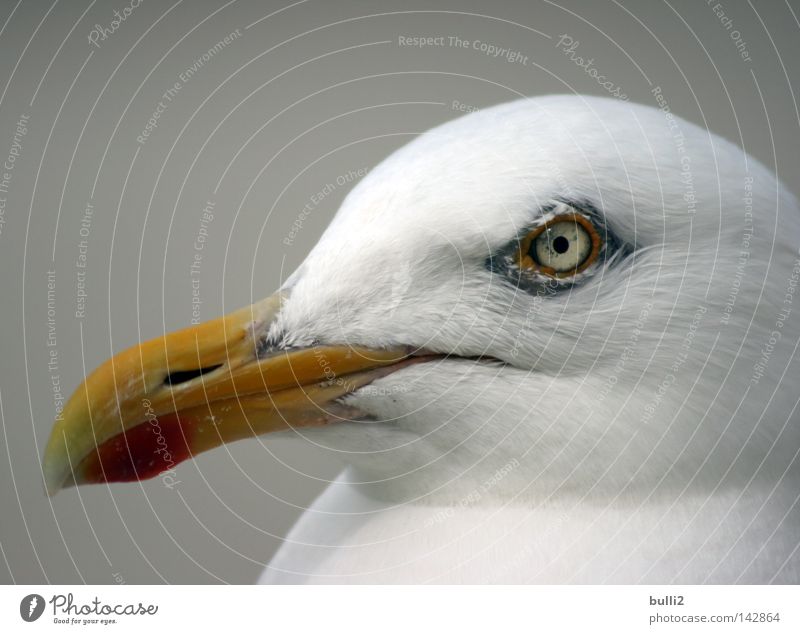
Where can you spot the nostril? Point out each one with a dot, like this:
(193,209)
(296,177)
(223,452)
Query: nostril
(176,378)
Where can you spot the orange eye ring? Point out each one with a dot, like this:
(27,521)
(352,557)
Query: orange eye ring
(527,261)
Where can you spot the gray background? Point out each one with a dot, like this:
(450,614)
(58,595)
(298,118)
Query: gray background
(308,93)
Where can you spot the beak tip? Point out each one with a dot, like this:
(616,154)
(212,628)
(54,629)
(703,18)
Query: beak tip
(57,472)
(53,481)
(52,486)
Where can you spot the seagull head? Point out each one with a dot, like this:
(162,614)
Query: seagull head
(549,289)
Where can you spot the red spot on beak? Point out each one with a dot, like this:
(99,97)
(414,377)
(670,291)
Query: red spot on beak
(141,452)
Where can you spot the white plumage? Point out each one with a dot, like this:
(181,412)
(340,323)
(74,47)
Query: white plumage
(642,426)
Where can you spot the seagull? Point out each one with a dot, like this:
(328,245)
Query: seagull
(554,341)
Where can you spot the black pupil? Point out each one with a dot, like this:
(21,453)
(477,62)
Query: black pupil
(560,245)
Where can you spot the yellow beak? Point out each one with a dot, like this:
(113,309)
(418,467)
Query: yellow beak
(157,404)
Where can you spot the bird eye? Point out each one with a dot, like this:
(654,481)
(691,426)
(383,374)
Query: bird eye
(562,247)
